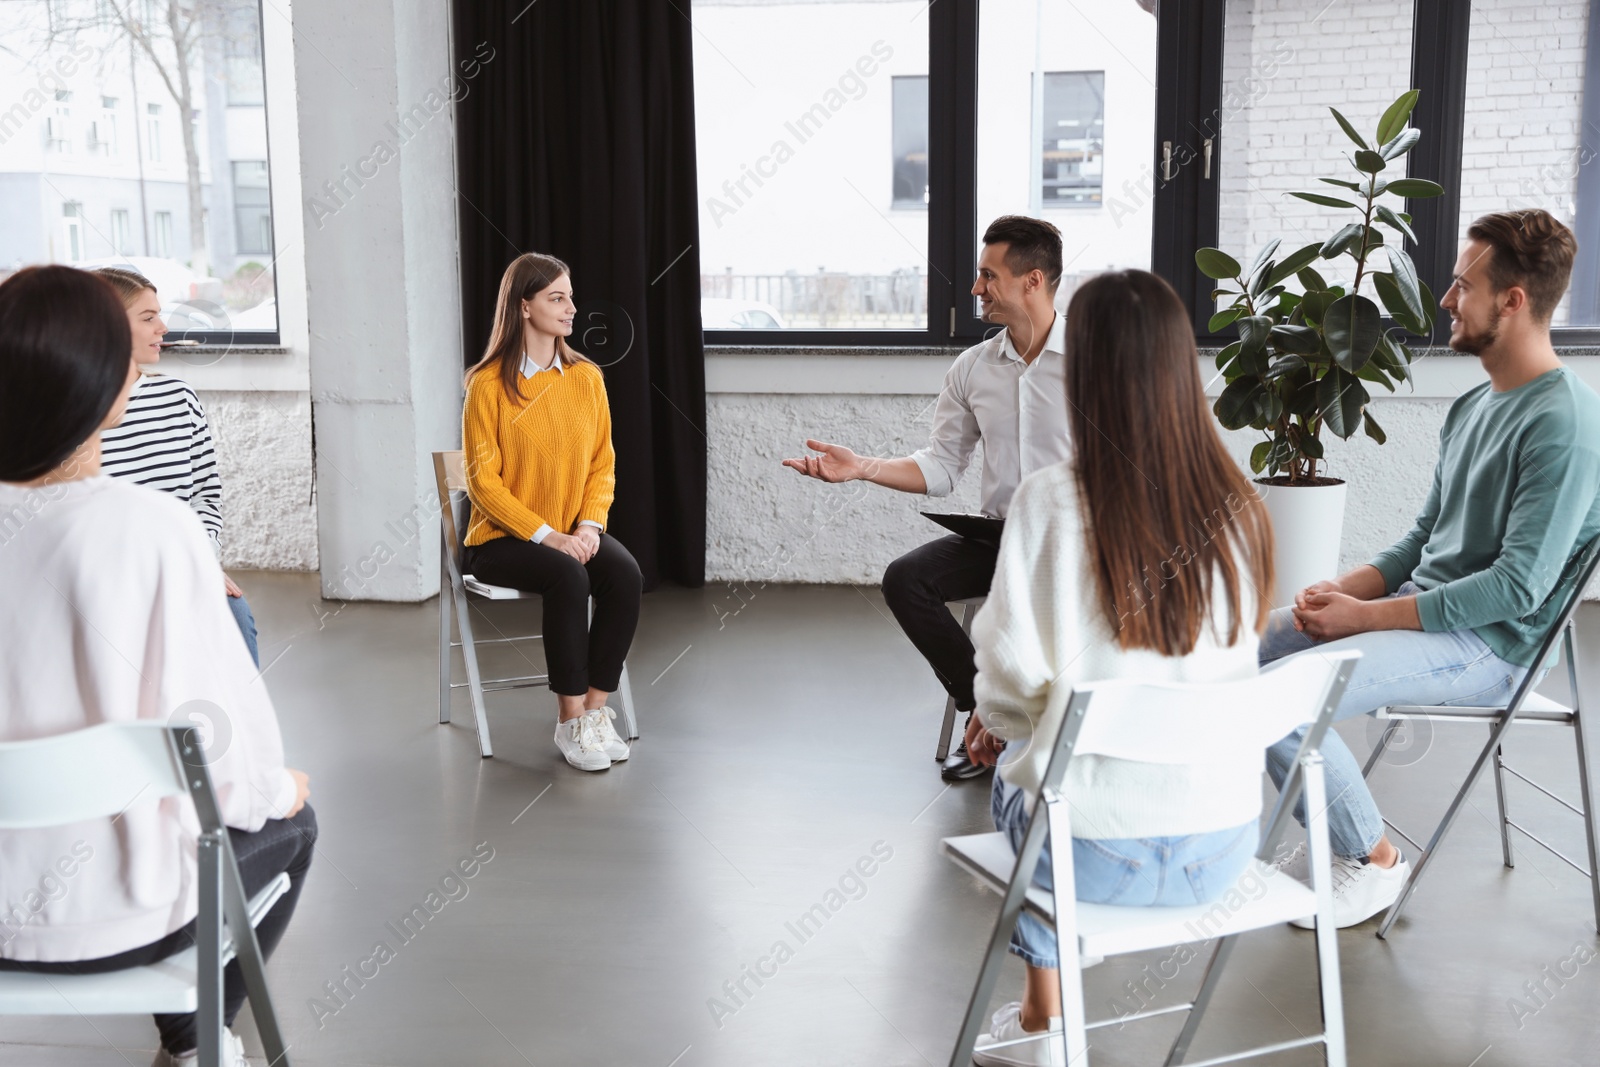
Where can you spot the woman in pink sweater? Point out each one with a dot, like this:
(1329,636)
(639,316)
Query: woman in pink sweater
(114,611)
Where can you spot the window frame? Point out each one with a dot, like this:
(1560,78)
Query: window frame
(1190,40)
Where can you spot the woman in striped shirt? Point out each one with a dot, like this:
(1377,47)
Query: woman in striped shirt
(164,441)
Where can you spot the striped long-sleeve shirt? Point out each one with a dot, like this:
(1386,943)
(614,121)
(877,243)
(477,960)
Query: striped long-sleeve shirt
(164,442)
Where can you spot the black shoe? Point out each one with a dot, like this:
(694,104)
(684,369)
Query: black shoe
(958,768)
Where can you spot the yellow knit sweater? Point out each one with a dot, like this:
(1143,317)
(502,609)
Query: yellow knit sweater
(545,460)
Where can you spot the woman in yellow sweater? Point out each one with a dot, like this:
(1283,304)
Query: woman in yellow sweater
(541,475)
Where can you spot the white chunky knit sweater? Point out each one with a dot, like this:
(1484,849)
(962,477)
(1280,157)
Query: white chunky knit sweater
(1043,621)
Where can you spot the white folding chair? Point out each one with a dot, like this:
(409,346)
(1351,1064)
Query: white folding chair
(90,774)
(969,611)
(1524,706)
(1168,723)
(456,588)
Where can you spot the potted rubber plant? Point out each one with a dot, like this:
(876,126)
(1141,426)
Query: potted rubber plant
(1303,359)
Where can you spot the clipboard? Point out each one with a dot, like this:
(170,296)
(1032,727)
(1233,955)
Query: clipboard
(985,528)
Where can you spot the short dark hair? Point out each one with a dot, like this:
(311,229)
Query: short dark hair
(1032,244)
(65,346)
(1532,250)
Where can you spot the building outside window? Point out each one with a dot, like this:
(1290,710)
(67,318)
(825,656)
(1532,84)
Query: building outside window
(911,141)
(58,127)
(1074,132)
(152,132)
(72,231)
(121,233)
(252,207)
(161,237)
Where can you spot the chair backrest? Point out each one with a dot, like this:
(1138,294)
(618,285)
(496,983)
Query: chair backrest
(1568,593)
(95,772)
(1197,722)
(450,474)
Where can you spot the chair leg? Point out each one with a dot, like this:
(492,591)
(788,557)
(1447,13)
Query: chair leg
(1586,798)
(444,641)
(1426,859)
(1074,1021)
(1390,728)
(1202,999)
(208,969)
(629,718)
(252,967)
(946,730)
(1500,803)
(1327,934)
(469,657)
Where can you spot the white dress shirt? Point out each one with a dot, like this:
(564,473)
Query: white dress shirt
(1018,410)
(529,368)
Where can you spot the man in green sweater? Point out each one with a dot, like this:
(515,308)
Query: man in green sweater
(1454,611)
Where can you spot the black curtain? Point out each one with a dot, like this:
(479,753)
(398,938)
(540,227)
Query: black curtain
(575,137)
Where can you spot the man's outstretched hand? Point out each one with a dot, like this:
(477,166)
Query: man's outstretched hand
(836,463)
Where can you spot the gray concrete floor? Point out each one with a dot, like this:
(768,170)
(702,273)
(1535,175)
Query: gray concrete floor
(787,732)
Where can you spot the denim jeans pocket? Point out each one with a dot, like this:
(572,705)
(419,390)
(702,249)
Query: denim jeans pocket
(1211,876)
(1103,876)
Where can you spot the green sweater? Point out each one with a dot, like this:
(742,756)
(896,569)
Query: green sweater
(1515,497)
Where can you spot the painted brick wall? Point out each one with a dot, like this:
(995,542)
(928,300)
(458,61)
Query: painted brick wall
(263,444)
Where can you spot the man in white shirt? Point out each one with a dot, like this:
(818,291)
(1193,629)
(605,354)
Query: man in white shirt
(1009,392)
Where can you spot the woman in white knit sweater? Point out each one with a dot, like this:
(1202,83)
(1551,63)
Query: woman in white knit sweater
(1147,555)
(113,611)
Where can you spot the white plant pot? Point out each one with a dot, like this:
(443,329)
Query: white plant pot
(1307,521)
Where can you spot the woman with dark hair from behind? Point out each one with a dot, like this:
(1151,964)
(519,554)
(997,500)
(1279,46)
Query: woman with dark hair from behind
(1146,555)
(536,434)
(113,612)
(164,440)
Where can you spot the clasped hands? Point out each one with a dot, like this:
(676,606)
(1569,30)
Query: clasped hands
(581,544)
(1323,613)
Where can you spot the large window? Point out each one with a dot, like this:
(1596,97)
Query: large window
(100,95)
(807,220)
(1074,137)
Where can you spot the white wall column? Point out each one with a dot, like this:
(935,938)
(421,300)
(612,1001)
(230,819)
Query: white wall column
(377,184)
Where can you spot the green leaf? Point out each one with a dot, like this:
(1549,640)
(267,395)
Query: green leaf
(1352,327)
(1222,318)
(1389,293)
(1415,188)
(1374,371)
(1311,446)
(1374,431)
(1341,398)
(1262,257)
(1344,124)
(1403,142)
(1310,279)
(1343,241)
(1215,263)
(1405,276)
(1390,218)
(1314,305)
(1352,186)
(1369,162)
(1286,365)
(1405,360)
(1388,355)
(1429,305)
(1258,456)
(1226,356)
(1237,405)
(1394,118)
(1302,340)
(1294,262)
(1325,201)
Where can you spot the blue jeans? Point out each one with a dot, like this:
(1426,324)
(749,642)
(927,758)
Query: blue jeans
(1133,872)
(247,624)
(1396,667)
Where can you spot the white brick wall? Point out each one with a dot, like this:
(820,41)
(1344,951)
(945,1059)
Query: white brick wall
(1522,141)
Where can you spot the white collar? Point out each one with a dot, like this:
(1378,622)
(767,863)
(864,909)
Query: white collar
(529,368)
(1056,342)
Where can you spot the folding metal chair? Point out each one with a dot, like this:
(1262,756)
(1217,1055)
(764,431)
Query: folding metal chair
(1524,706)
(969,611)
(1168,723)
(90,774)
(456,589)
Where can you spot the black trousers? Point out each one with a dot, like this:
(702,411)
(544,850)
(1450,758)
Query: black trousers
(920,584)
(280,846)
(580,654)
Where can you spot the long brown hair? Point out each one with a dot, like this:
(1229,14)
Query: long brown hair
(528,275)
(1168,510)
(128,283)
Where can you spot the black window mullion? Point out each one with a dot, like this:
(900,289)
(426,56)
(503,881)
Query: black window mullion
(952,171)
(1439,36)
(1188,109)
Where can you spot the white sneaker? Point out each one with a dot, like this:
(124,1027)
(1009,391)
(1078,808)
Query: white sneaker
(1361,890)
(1006,1025)
(580,743)
(1296,863)
(614,745)
(232,1054)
